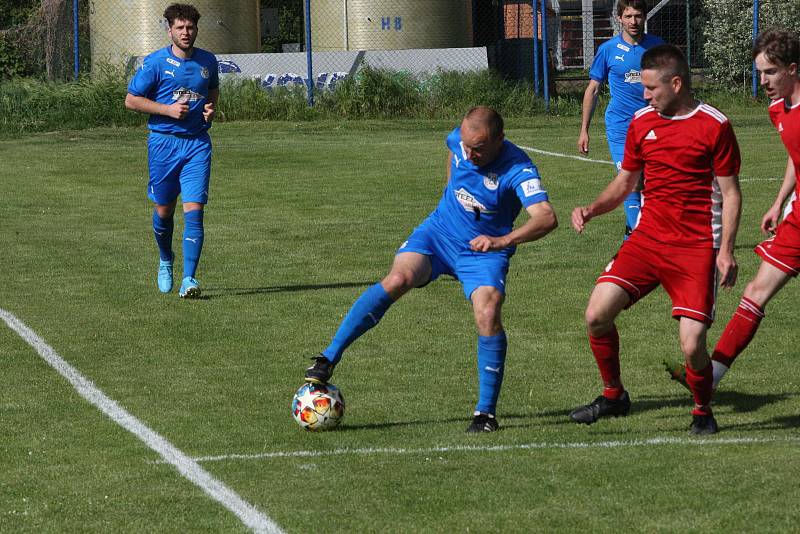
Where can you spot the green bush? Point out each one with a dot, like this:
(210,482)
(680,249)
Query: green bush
(729,31)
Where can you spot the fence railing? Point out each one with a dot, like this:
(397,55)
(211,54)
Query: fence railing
(317,43)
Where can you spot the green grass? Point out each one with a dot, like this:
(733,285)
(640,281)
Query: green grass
(302,218)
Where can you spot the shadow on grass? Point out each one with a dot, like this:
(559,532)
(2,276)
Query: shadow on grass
(219,292)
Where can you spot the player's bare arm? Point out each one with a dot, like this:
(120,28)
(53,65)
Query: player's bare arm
(541,222)
(178,110)
(731,211)
(587,111)
(611,197)
(210,108)
(773,215)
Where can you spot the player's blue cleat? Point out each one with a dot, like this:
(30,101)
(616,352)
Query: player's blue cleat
(165,276)
(190,288)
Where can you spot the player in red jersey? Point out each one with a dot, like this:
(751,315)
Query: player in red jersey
(777,56)
(685,237)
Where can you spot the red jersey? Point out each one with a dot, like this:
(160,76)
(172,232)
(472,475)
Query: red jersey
(787,121)
(680,156)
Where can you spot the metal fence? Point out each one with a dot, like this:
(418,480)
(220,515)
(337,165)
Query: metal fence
(318,42)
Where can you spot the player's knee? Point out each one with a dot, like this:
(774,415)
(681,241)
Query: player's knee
(398,281)
(598,322)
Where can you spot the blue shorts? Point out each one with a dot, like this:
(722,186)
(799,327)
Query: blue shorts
(616,146)
(178,166)
(454,258)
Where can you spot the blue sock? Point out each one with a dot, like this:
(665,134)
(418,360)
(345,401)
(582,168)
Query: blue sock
(192,241)
(365,313)
(162,229)
(491,366)
(632,206)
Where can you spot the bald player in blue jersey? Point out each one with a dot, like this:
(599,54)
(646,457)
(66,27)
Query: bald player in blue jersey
(618,62)
(469,236)
(179,87)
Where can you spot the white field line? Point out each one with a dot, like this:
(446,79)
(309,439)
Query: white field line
(186,466)
(500,448)
(604,162)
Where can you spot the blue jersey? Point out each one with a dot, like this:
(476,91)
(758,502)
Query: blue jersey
(165,78)
(486,200)
(619,63)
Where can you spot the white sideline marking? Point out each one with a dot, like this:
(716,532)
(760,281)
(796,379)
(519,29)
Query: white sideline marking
(604,162)
(500,448)
(187,467)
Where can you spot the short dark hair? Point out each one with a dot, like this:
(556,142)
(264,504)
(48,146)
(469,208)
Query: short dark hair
(487,116)
(668,60)
(182,12)
(780,46)
(638,5)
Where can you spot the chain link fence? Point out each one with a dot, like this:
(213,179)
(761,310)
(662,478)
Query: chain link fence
(270,40)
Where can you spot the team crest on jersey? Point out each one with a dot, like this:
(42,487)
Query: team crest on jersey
(185,95)
(173,62)
(633,76)
(204,72)
(490,181)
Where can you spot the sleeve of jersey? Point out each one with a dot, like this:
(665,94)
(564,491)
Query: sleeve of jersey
(632,159)
(213,82)
(727,159)
(528,186)
(599,69)
(453,141)
(144,79)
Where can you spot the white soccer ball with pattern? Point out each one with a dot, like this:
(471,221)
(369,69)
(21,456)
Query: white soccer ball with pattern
(318,406)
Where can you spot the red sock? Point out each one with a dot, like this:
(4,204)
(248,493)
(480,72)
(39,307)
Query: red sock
(606,353)
(700,383)
(739,332)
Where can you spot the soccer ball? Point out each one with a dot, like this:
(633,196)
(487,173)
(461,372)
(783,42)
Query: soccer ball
(318,406)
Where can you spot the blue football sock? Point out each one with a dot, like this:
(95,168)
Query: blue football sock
(162,229)
(632,206)
(491,366)
(192,241)
(365,313)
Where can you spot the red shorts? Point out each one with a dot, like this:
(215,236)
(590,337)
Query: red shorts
(783,249)
(687,274)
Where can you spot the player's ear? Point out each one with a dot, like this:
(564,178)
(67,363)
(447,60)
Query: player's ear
(792,68)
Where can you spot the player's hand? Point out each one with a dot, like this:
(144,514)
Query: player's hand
(770,220)
(727,268)
(178,110)
(583,143)
(580,216)
(209,112)
(485,243)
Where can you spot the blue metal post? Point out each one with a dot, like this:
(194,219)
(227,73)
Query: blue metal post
(755,34)
(545,68)
(75,35)
(310,70)
(535,47)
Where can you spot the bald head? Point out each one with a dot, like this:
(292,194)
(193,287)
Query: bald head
(482,135)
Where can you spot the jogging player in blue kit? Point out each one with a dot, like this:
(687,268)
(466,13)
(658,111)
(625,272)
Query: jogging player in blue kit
(179,87)
(469,236)
(618,62)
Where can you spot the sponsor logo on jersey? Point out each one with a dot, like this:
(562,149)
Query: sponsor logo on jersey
(469,202)
(633,76)
(531,187)
(173,62)
(204,72)
(185,95)
(621,58)
(170,72)
(490,181)
(651,135)
(623,47)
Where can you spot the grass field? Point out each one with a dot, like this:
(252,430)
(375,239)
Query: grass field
(302,218)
